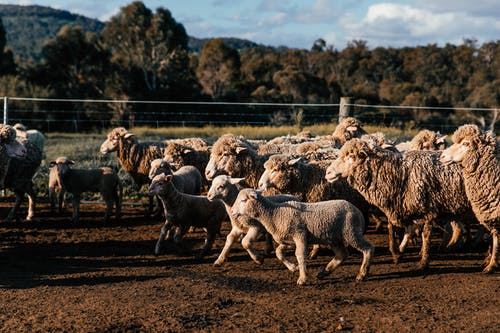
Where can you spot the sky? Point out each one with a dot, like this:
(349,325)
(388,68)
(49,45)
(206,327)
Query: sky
(298,23)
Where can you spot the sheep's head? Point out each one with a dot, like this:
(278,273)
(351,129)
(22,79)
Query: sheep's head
(221,186)
(348,129)
(8,141)
(280,171)
(243,203)
(428,140)
(469,143)
(352,154)
(114,137)
(159,184)
(159,166)
(177,155)
(62,164)
(226,157)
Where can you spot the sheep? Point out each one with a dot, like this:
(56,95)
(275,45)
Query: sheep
(135,157)
(477,153)
(9,147)
(413,186)
(335,223)
(187,179)
(346,130)
(33,135)
(234,156)
(424,140)
(103,180)
(226,189)
(179,155)
(19,177)
(184,210)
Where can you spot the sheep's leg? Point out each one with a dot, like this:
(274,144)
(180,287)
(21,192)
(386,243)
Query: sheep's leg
(76,208)
(426,240)
(234,234)
(118,202)
(17,203)
(340,253)
(404,242)
(52,200)
(252,234)
(392,244)
(367,249)
(494,252)
(31,203)
(60,200)
(269,243)
(478,236)
(166,227)
(301,254)
(209,241)
(280,254)
(109,208)
(314,252)
(457,231)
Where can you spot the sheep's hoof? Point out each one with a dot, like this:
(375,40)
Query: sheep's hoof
(489,269)
(360,278)
(321,274)
(422,266)
(218,263)
(302,281)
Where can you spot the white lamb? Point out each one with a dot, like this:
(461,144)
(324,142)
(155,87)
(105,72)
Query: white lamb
(335,223)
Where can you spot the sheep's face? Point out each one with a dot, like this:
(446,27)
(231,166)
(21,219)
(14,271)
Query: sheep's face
(456,152)
(62,165)
(159,166)
(225,162)
(15,149)
(243,203)
(159,183)
(278,172)
(114,137)
(352,154)
(221,185)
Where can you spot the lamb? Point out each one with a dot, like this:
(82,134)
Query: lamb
(135,157)
(234,156)
(335,223)
(102,180)
(414,186)
(477,154)
(19,177)
(184,210)
(186,179)
(226,189)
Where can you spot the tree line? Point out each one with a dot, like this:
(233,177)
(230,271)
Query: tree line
(143,55)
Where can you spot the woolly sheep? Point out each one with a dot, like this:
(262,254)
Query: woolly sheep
(232,155)
(424,140)
(135,157)
(19,177)
(184,210)
(477,153)
(226,189)
(9,147)
(346,130)
(33,135)
(102,180)
(413,186)
(335,223)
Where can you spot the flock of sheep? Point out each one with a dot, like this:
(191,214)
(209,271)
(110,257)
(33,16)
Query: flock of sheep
(299,191)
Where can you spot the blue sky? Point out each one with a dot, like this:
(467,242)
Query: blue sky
(298,23)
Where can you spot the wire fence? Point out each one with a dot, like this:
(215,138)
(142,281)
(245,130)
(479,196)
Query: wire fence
(76,115)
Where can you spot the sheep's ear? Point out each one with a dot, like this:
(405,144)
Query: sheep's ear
(186,151)
(235,181)
(167,177)
(254,194)
(240,150)
(441,139)
(295,160)
(71,162)
(128,135)
(52,163)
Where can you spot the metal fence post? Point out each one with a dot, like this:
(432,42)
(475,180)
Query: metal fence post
(5,109)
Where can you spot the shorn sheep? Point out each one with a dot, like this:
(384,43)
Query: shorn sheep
(477,153)
(102,180)
(35,136)
(186,179)
(413,186)
(226,189)
(9,147)
(335,223)
(135,157)
(184,211)
(19,177)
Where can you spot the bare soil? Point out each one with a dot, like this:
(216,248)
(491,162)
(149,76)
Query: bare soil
(92,277)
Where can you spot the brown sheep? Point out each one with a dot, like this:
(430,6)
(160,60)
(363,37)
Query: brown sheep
(478,153)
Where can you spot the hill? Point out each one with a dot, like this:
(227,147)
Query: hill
(28,27)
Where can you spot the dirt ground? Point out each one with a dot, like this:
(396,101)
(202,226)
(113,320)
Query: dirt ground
(91,277)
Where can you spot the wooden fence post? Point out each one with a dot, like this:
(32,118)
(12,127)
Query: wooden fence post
(345,109)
